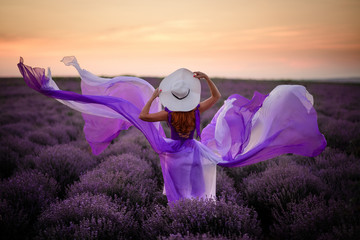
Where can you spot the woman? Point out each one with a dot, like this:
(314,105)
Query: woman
(188,173)
(242,132)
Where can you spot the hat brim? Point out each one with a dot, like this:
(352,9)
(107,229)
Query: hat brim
(168,100)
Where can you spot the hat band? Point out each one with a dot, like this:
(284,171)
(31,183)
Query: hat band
(181,98)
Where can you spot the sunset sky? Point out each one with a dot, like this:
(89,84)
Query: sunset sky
(269,39)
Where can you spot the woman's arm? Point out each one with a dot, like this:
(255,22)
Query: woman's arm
(215,94)
(152,117)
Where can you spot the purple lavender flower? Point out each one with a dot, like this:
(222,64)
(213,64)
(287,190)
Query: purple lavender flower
(19,145)
(225,189)
(340,172)
(65,163)
(86,216)
(316,218)
(61,132)
(125,177)
(207,236)
(214,218)
(42,138)
(15,129)
(22,198)
(281,183)
(8,161)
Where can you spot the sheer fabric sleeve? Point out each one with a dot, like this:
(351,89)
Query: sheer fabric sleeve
(108,105)
(246,131)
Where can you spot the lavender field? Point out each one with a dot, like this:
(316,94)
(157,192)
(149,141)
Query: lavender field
(52,187)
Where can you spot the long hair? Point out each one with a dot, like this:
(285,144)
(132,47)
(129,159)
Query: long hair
(183,122)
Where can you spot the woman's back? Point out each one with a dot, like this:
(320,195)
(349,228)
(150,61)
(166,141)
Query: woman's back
(183,124)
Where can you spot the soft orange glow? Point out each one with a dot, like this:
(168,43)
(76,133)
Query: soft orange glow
(231,38)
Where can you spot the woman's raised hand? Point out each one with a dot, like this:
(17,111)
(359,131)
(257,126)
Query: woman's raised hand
(215,94)
(200,75)
(156,93)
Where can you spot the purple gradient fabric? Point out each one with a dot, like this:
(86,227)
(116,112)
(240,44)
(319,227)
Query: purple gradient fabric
(242,132)
(245,131)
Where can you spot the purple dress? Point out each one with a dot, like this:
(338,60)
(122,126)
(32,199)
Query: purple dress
(242,132)
(189,172)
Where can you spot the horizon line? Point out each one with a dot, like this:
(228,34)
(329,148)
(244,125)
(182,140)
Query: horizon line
(350,79)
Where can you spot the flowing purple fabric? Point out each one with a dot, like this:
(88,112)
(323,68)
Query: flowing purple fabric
(242,132)
(245,131)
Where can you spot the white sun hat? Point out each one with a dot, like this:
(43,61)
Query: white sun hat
(180,91)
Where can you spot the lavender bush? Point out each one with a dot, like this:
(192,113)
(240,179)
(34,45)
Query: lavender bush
(22,198)
(225,189)
(65,163)
(340,172)
(204,236)
(21,146)
(13,150)
(214,218)
(125,177)
(42,138)
(15,129)
(86,216)
(62,133)
(348,136)
(133,142)
(8,161)
(16,117)
(270,191)
(239,174)
(128,143)
(316,217)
